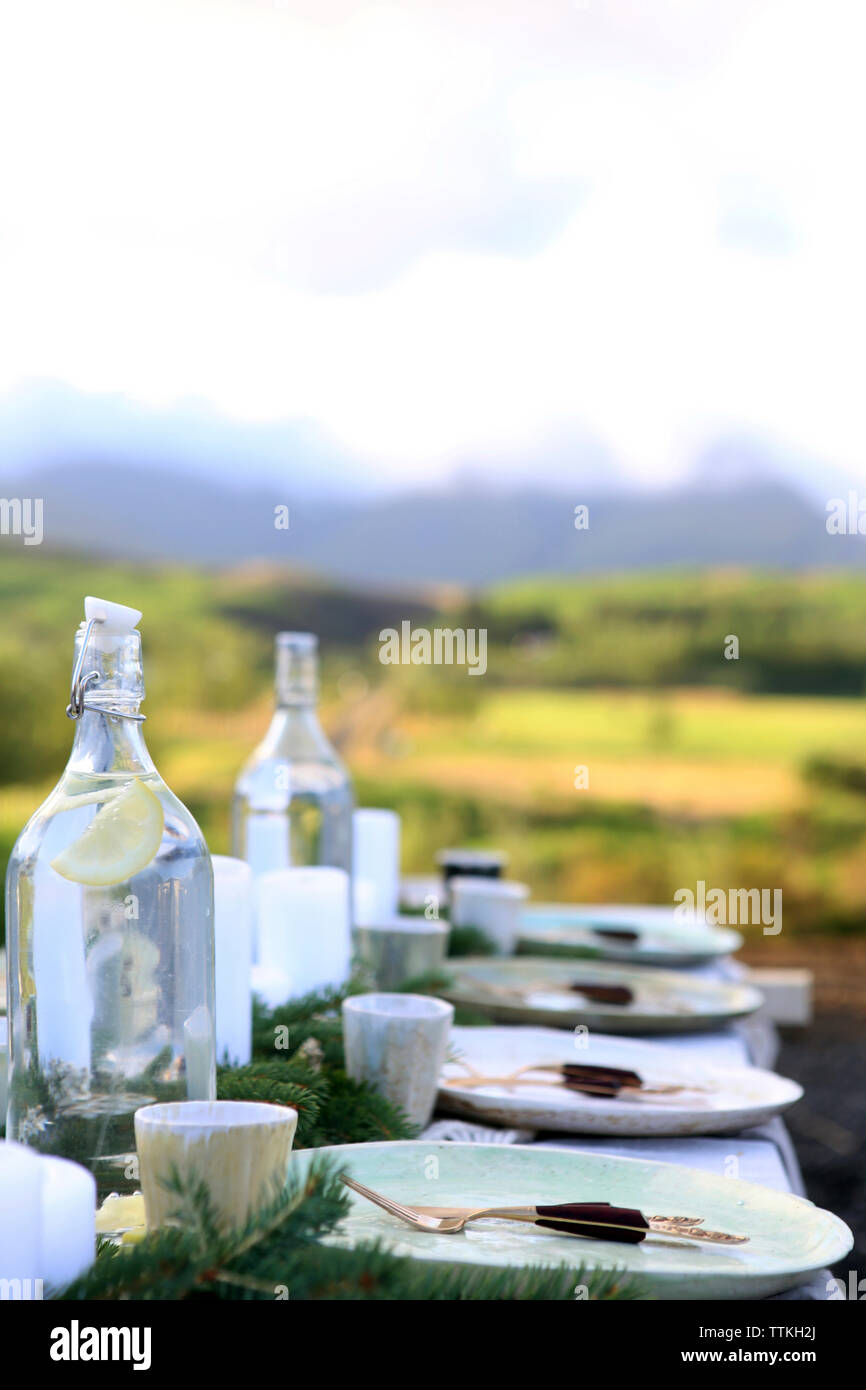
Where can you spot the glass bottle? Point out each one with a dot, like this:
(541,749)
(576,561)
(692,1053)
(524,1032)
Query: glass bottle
(109,913)
(293,798)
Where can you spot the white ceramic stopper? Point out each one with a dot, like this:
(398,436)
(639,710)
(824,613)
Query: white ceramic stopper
(115,619)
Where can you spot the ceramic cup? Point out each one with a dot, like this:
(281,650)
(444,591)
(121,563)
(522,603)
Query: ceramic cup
(470,863)
(397,1043)
(400,949)
(495,906)
(239,1148)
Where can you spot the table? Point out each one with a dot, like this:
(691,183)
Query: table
(763,1154)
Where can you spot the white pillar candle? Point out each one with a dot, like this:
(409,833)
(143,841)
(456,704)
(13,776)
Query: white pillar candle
(267,848)
(365,900)
(4,1069)
(233,937)
(304,927)
(199,1054)
(268,841)
(68,1220)
(64,1007)
(47,1221)
(20,1203)
(375,865)
(272,986)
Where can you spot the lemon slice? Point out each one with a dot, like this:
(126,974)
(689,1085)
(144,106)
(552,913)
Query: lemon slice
(118,843)
(121,1214)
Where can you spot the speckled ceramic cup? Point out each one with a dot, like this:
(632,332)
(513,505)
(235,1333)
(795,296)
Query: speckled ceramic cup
(397,1043)
(239,1148)
(400,949)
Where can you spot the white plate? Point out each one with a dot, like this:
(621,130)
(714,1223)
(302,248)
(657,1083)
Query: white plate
(664,938)
(737,1098)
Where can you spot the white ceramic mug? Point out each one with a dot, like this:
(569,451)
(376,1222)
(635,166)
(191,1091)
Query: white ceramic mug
(239,1149)
(397,1043)
(493,905)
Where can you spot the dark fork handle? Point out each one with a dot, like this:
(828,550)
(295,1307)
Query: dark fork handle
(597,1220)
(617,933)
(602,994)
(614,1079)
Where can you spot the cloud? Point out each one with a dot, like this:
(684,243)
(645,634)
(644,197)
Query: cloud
(442,233)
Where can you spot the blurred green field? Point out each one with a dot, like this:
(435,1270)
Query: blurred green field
(684,723)
(748,773)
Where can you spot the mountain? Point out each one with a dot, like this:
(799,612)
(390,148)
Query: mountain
(50,424)
(467,535)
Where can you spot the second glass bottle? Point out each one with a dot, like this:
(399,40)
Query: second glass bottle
(293,799)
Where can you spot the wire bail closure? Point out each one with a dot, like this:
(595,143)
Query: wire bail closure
(77,701)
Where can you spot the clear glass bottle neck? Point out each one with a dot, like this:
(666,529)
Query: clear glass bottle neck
(297,671)
(106,741)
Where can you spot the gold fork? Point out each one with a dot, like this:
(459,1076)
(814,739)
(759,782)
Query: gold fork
(589,1220)
(628,1089)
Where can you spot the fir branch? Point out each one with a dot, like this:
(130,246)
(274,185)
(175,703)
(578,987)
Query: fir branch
(332,1109)
(470,941)
(285,1252)
(356,1114)
(287,1027)
(431,982)
(281,1254)
(194,1211)
(289,1082)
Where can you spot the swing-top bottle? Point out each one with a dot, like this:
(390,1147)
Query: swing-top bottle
(109,900)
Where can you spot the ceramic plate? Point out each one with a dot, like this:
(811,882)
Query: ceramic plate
(530,989)
(789,1237)
(663,939)
(715,1099)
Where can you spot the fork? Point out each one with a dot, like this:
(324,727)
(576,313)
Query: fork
(608,1082)
(590,1220)
(598,993)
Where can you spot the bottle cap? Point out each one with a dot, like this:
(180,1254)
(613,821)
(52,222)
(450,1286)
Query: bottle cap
(114,619)
(108,643)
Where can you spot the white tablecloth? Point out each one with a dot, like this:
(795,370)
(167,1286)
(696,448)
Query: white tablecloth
(764,1154)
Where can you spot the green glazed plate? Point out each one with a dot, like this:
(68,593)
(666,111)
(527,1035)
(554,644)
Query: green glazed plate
(790,1238)
(663,1002)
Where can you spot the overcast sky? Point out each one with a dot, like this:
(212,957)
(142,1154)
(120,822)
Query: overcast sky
(509,235)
